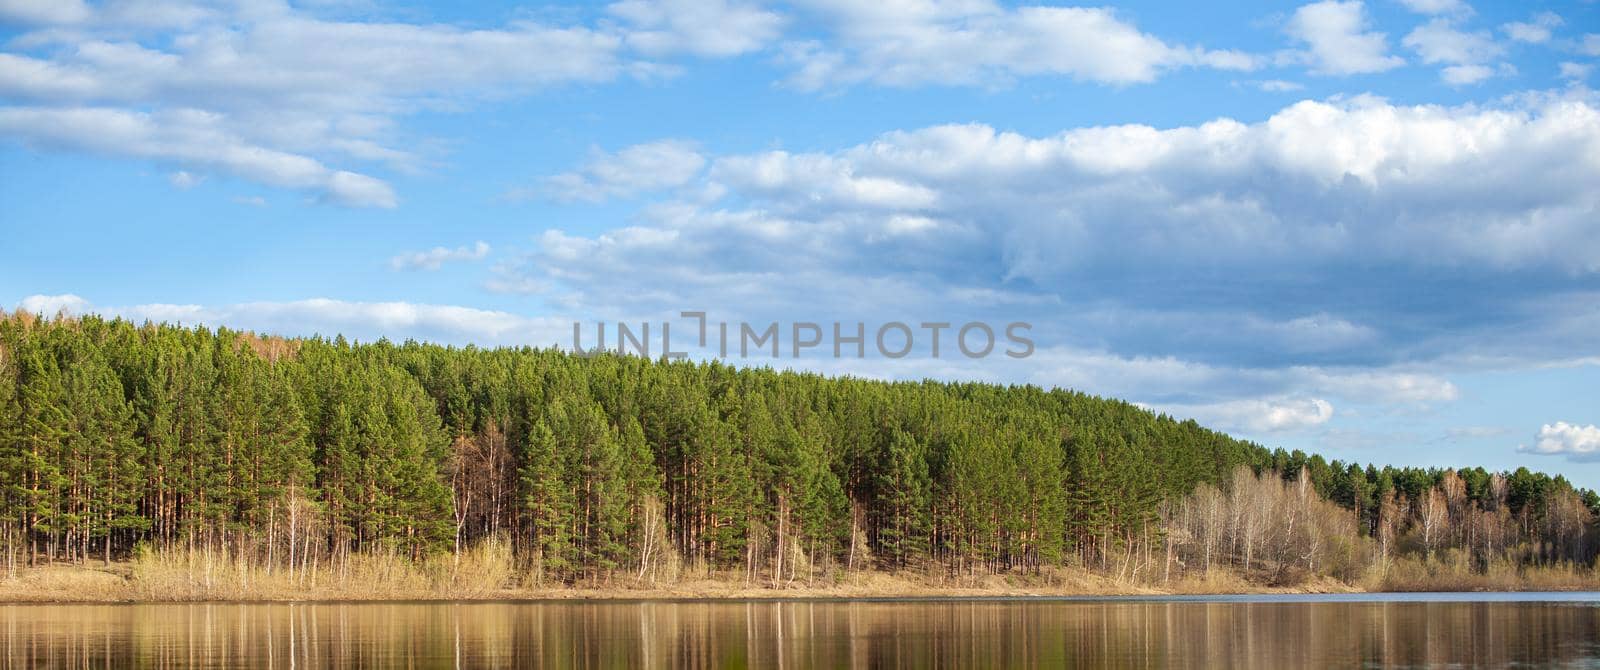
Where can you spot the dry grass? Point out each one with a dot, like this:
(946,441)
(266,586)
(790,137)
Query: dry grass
(1451,572)
(483,571)
(66,583)
(489,572)
(1217,580)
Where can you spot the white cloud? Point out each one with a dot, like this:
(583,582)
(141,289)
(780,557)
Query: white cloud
(701,27)
(1257,416)
(50,305)
(1155,377)
(192,138)
(1462,75)
(1578,71)
(1067,199)
(356,67)
(1464,54)
(43,11)
(184,180)
(390,319)
(116,15)
(982,43)
(1456,7)
(322,98)
(360,320)
(436,257)
(1278,86)
(1338,40)
(782,175)
(1438,41)
(30,77)
(1391,387)
(357,190)
(1590,45)
(1576,442)
(1130,234)
(640,168)
(1535,30)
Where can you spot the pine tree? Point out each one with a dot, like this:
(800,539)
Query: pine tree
(904,501)
(45,423)
(548,500)
(13,466)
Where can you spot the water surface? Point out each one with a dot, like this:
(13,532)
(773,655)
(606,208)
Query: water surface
(1214,631)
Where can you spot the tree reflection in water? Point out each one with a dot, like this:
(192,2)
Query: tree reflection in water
(940,633)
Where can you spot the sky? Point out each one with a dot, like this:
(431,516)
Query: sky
(1369,230)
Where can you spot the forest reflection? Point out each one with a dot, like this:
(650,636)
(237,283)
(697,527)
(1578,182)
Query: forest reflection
(954,633)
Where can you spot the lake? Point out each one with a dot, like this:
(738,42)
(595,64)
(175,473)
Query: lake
(1214,631)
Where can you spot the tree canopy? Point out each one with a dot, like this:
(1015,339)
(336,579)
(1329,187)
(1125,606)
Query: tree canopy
(114,434)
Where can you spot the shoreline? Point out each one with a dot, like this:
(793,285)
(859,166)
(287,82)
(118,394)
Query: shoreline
(655,597)
(123,582)
(79,584)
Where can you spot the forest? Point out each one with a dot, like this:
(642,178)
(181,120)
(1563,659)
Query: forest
(118,438)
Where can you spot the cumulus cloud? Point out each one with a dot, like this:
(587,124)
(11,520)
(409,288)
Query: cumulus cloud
(1147,241)
(640,168)
(1438,41)
(1576,442)
(701,27)
(1575,71)
(436,257)
(1091,194)
(1463,75)
(1338,41)
(780,175)
(1464,54)
(1535,30)
(50,305)
(983,43)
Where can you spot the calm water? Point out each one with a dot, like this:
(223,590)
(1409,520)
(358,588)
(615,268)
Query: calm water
(1327,631)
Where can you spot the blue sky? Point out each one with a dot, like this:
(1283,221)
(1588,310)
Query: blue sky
(1366,229)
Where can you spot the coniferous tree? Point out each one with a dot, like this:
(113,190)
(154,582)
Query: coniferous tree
(904,490)
(295,452)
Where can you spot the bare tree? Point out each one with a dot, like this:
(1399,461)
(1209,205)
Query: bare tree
(1433,517)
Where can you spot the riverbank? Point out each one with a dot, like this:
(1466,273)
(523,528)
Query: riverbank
(128,582)
(488,572)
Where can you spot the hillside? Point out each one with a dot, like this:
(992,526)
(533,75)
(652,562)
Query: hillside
(289,456)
